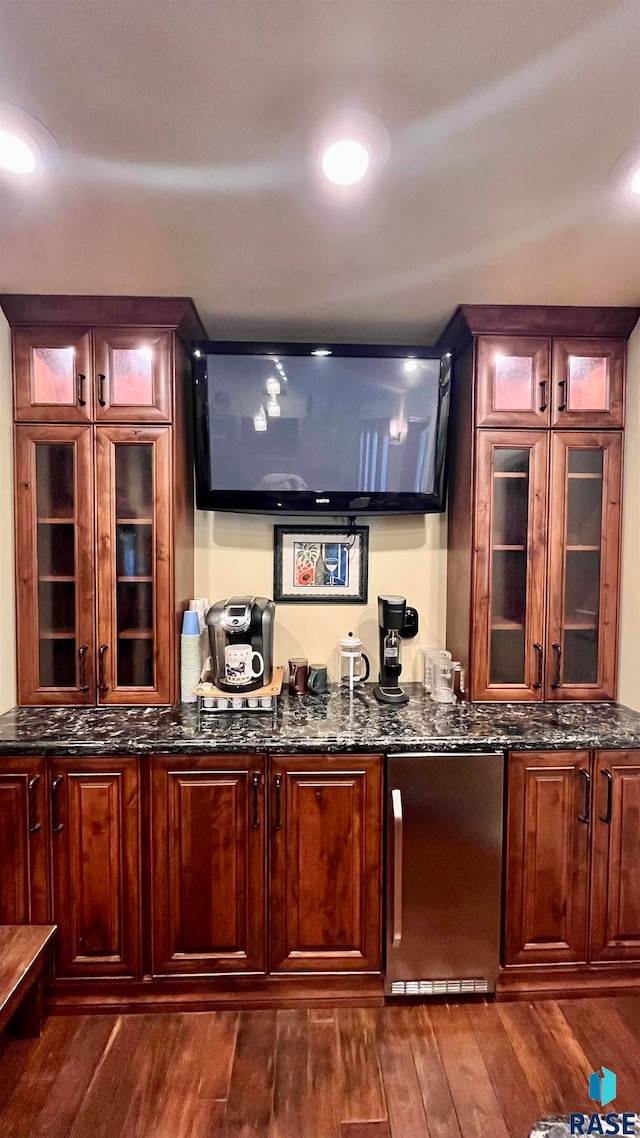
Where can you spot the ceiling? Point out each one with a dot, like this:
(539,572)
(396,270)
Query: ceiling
(187,132)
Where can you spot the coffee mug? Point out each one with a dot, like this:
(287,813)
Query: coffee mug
(298,672)
(238,664)
(317,681)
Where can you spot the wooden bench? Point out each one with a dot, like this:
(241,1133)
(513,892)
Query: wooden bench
(23,957)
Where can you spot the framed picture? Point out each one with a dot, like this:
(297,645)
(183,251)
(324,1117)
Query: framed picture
(321,564)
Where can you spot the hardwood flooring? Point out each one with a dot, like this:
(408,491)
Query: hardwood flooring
(467,1070)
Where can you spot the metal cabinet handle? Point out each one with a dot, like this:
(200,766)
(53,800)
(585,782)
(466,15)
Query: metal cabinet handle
(101,382)
(278,783)
(103,686)
(558,651)
(31,800)
(606,817)
(56,824)
(255,782)
(543,395)
(396,918)
(80,399)
(562,405)
(538,651)
(586,815)
(82,667)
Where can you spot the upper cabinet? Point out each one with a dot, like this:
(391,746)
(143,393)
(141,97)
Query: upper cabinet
(535,489)
(104,518)
(74,375)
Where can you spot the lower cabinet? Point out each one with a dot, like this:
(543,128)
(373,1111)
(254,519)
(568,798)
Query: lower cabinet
(208,864)
(325,877)
(24,892)
(573,858)
(95,845)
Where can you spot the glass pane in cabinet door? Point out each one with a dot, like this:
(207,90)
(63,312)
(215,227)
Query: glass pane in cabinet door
(510,521)
(513,384)
(134,565)
(588,379)
(56,564)
(582,566)
(54,375)
(132,376)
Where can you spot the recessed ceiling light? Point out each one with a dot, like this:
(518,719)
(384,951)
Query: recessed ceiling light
(345,162)
(624,176)
(634,180)
(25,144)
(321,352)
(17,154)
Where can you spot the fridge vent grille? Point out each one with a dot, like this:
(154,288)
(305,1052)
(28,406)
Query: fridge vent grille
(438,987)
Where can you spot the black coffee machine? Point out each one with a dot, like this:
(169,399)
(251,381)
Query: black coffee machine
(397,622)
(241,620)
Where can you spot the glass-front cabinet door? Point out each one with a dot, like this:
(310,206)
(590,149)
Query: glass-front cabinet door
(510,543)
(584,548)
(132,375)
(52,375)
(588,383)
(55,581)
(513,387)
(134,602)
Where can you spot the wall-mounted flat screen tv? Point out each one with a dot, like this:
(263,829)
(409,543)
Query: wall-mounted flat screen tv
(330,429)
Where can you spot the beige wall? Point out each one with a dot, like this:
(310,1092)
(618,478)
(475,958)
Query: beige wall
(407,555)
(629,673)
(7,612)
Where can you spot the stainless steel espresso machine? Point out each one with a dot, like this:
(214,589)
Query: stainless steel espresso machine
(397,622)
(234,624)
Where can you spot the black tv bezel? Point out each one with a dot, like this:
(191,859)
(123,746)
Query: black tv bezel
(309,502)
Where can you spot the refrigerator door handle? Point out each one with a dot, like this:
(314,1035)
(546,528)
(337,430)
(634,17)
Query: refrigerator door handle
(396,805)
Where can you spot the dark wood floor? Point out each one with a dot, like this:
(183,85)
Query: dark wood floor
(437,1071)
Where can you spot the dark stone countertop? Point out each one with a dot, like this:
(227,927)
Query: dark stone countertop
(334,722)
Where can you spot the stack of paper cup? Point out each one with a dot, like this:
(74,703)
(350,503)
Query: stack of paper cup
(190,656)
(201,605)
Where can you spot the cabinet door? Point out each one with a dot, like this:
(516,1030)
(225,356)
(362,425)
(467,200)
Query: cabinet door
(584,554)
(52,375)
(588,383)
(615,884)
(133,375)
(326,879)
(510,542)
(136,636)
(54,564)
(512,382)
(208,856)
(24,879)
(548,827)
(95,850)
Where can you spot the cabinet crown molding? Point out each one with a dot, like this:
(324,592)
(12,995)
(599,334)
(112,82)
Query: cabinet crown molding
(471,320)
(177,313)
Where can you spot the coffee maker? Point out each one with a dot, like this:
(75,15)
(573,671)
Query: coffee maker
(397,622)
(241,620)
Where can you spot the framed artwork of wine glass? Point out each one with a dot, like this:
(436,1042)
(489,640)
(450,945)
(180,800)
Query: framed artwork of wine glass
(320,564)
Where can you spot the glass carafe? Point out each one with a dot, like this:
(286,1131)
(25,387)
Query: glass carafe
(354,665)
(444,678)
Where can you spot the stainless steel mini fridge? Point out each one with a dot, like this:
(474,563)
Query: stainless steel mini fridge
(444,873)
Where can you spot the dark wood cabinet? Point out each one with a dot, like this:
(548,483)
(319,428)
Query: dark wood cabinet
(325,877)
(133,370)
(548,837)
(208,841)
(95,840)
(534,515)
(588,383)
(135,615)
(573,858)
(55,564)
(615,878)
(584,557)
(24,832)
(104,494)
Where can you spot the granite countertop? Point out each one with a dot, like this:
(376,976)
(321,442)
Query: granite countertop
(333,722)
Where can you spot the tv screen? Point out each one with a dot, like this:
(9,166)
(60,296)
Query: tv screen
(340,429)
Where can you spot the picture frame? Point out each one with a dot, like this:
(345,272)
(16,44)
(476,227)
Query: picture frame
(321,564)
